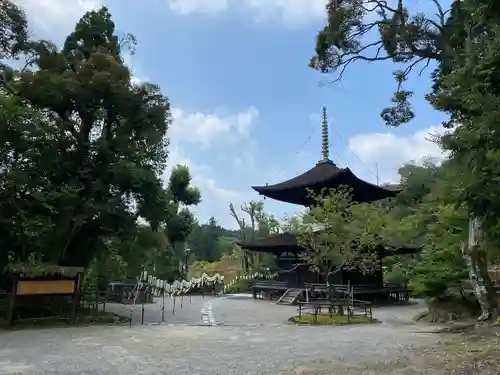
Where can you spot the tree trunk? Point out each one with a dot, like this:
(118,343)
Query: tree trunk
(244,260)
(474,258)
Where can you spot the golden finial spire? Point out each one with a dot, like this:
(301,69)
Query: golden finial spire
(324,137)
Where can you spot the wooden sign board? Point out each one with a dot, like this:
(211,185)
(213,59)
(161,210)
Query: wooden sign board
(34,287)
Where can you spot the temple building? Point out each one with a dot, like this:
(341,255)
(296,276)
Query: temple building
(295,274)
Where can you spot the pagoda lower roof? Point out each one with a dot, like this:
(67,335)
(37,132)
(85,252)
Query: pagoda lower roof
(276,243)
(287,242)
(324,175)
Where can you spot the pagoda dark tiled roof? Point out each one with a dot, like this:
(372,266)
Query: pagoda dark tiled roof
(321,172)
(286,239)
(288,242)
(325,174)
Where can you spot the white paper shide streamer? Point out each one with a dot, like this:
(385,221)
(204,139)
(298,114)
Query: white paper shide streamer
(183,286)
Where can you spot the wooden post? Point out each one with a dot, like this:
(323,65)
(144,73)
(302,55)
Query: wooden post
(12,304)
(96,306)
(163,307)
(76,297)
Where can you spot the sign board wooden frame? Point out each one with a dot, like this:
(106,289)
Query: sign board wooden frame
(57,284)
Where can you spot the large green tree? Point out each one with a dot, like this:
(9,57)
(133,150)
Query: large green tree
(340,234)
(83,147)
(461,41)
(428,214)
(179,221)
(13,29)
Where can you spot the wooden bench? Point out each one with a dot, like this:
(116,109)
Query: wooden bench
(340,307)
(316,306)
(397,293)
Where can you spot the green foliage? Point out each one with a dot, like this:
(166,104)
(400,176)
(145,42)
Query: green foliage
(179,220)
(352,234)
(461,40)
(469,94)
(405,38)
(180,189)
(397,275)
(340,232)
(83,144)
(13,29)
(240,286)
(427,217)
(441,265)
(259,225)
(210,241)
(82,155)
(107,266)
(227,266)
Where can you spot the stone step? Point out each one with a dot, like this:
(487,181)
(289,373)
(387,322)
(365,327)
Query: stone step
(289,297)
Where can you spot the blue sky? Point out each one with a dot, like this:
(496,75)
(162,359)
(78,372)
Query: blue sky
(246,106)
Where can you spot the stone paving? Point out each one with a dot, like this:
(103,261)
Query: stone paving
(251,338)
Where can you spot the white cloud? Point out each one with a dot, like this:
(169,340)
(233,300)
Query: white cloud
(361,153)
(390,151)
(295,11)
(289,10)
(215,198)
(55,18)
(135,70)
(292,12)
(213,195)
(185,7)
(205,129)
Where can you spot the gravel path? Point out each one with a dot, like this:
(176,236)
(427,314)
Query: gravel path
(253,340)
(187,310)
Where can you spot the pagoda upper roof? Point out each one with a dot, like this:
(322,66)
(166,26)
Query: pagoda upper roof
(324,175)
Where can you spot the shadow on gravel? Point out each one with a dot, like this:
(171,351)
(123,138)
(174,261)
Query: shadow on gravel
(242,297)
(470,353)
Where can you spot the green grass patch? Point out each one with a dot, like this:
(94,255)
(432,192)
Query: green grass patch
(326,319)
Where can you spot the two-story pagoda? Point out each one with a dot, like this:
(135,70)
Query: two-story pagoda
(295,275)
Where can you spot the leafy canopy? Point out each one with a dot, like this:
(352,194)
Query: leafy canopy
(85,146)
(338,231)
